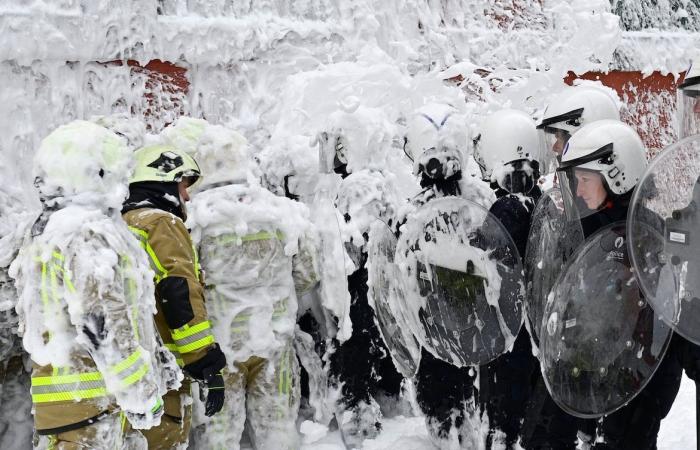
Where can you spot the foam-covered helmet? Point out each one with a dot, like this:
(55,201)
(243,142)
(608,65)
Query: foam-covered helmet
(166,164)
(289,168)
(367,195)
(436,140)
(609,148)
(124,125)
(222,153)
(572,109)
(689,101)
(82,158)
(507,143)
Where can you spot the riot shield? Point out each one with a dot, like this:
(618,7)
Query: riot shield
(601,341)
(463,282)
(552,241)
(664,230)
(385,292)
(333,261)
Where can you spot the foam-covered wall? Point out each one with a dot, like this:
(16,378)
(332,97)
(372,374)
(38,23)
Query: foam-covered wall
(230,61)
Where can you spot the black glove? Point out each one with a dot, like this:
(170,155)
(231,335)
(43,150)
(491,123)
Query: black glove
(208,372)
(214,384)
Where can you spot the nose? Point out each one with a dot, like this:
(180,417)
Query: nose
(558,146)
(580,191)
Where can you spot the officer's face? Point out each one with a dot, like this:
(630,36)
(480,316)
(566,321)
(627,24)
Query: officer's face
(182,186)
(590,188)
(561,137)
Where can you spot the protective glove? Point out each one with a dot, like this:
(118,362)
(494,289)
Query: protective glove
(215,393)
(208,372)
(145,421)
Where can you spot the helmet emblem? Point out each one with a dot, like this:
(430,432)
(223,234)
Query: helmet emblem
(167,162)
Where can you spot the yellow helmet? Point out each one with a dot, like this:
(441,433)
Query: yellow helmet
(165,164)
(82,158)
(222,152)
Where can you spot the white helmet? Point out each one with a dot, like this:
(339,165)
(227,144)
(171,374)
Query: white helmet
(689,101)
(570,110)
(506,138)
(289,167)
(365,196)
(436,140)
(124,125)
(83,158)
(607,147)
(222,154)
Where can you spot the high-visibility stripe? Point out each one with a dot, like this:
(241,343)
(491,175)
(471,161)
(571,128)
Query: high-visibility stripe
(59,266)
(126,362)
(71,395)
(260,236)
(130,290)
(64,379)
(196,262)
(131,369)
(44,294)
(135,376)
(191,338)
(157,267)
(196,345)
(176,353)
(67,387)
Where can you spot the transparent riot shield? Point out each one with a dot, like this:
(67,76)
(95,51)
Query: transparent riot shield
(552,241)
(333,260)
(463,282)
(664,231)
(601,341)
(385,292)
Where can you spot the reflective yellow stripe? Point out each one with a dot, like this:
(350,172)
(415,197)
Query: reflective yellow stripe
(196,345)
(130,289)
(176,353)
(129,369)
(65,379)
(44,295)
(157,267)
(187,331)
(189,339)
(260,236)
(136,376)
(126,363)
(72,395)
(196,262)
(67,387)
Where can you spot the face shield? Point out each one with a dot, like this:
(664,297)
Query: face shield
(554,140)
(440,163)
(584,191)
(689,110)
(518,177)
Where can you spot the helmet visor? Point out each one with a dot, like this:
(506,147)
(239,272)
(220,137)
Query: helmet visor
(583,191)
(553,141)
(689,110)
(519,177)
